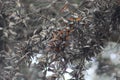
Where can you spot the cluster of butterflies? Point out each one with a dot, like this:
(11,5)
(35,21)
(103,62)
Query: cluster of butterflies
(60,38)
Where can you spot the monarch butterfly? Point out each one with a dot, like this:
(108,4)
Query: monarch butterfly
(54,36)
(76,19)
(65,7)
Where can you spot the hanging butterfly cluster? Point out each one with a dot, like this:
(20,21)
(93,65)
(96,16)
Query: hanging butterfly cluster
(60,38)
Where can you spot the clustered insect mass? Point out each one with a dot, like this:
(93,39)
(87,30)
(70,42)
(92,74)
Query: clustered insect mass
(60,38)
